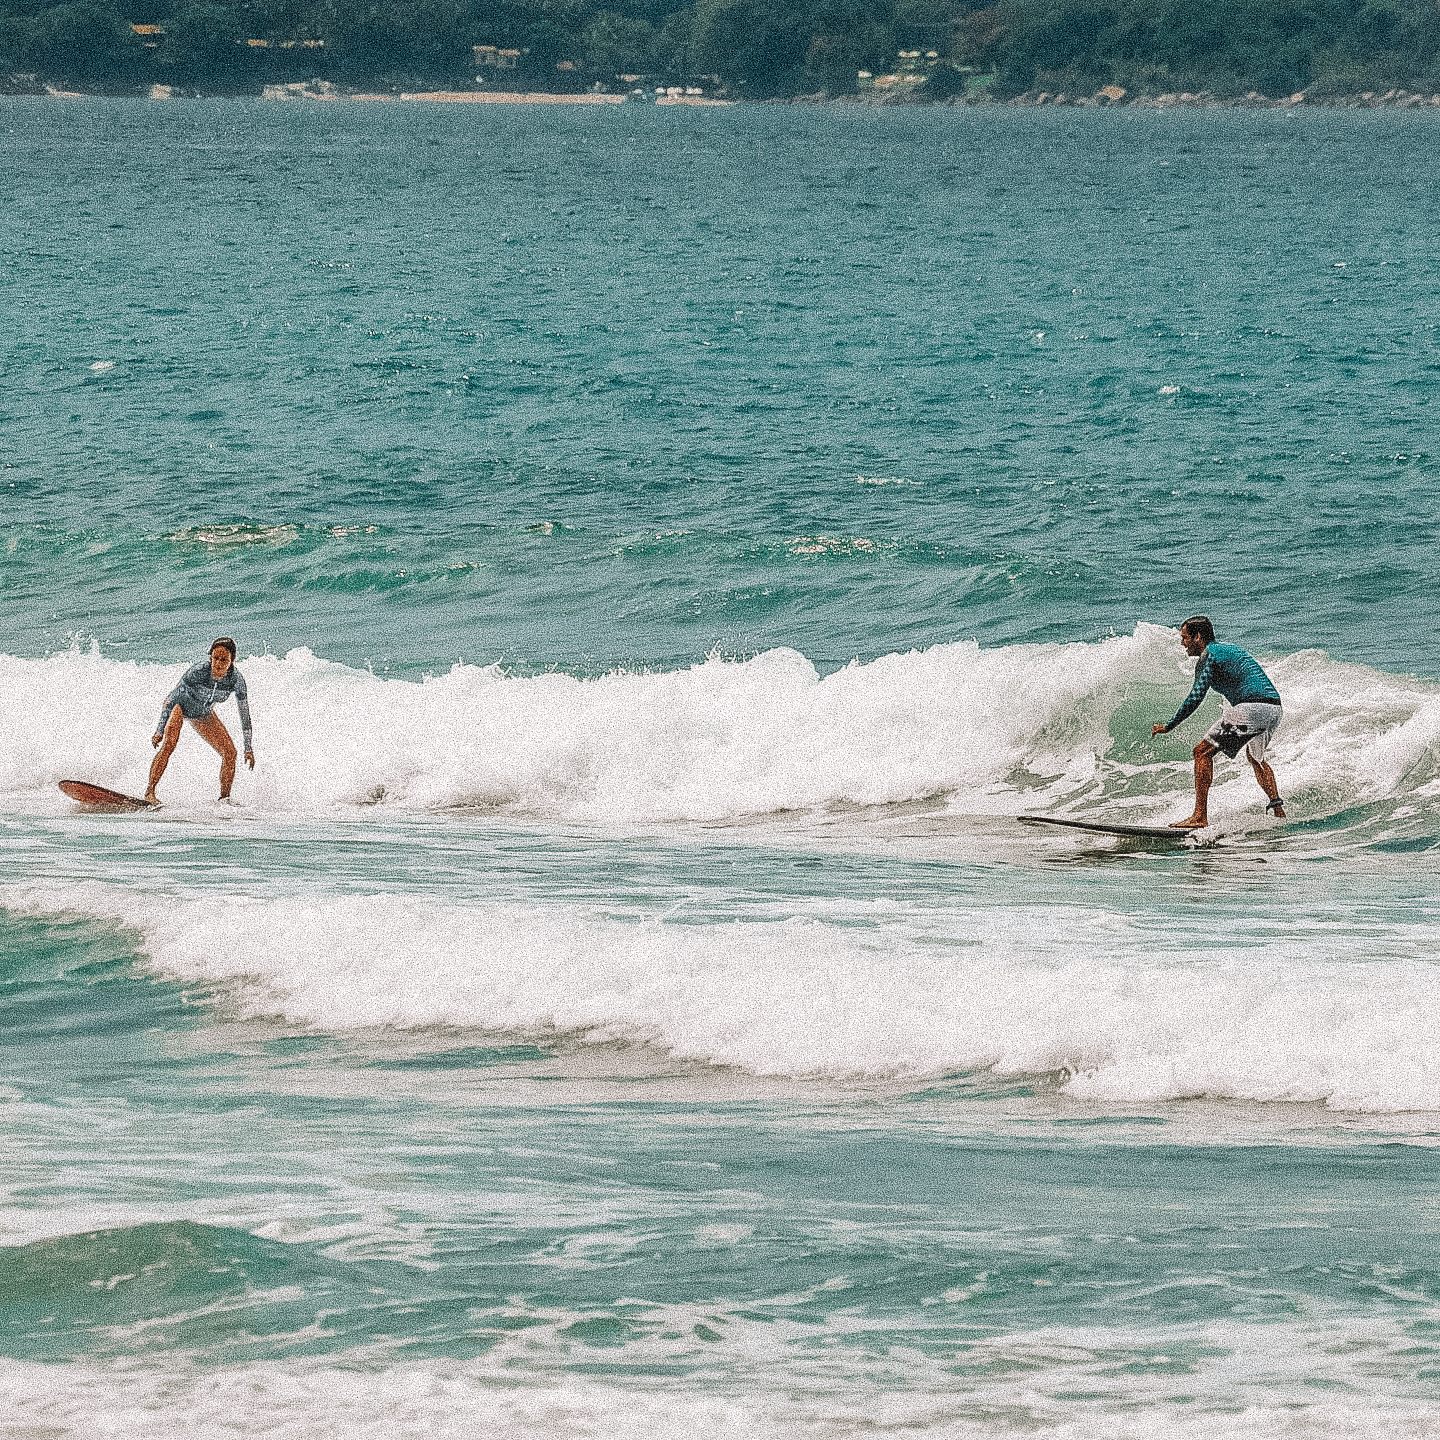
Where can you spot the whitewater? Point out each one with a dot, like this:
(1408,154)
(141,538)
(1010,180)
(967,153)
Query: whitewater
(668,554)
(986,731)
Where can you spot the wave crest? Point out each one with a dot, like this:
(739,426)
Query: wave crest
(1073,993)
(995,731)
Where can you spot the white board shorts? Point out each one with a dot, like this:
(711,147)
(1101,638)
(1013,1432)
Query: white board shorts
(1247,726)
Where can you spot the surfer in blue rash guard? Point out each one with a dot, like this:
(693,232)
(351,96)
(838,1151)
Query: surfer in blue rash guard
(1249,718)
(202,687)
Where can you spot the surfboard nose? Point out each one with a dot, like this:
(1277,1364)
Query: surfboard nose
(100,797)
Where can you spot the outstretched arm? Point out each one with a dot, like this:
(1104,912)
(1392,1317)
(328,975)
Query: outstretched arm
(242,700)
(1192,700)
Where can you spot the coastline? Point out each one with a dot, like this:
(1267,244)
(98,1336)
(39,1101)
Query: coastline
(527,97)
(498,97)
(1106,99)
(1392,99)
(424,97)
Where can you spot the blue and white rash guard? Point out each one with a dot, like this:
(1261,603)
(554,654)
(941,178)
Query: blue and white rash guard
(1234,673)
(199,692)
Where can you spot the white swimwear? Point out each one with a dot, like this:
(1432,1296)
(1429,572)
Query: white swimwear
(1247,726)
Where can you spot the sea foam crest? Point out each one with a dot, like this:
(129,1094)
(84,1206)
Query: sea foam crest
(1029,990)
(718,739)
(435,1400)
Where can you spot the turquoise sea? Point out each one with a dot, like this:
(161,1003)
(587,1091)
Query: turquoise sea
(667,549)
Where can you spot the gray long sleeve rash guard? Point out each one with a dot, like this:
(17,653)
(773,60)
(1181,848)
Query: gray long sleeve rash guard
(199,692)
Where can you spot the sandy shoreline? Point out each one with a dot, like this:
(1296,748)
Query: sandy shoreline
(1395,99)
(498,97)
(519,97)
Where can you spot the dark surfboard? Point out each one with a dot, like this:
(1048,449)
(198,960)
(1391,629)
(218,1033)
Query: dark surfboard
(1096,827)
(97,797)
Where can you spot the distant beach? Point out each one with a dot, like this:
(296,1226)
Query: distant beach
(498,97)
(1394,99)
(518,97)
(323,90)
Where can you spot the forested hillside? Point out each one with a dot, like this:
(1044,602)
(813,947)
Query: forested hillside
(750,48)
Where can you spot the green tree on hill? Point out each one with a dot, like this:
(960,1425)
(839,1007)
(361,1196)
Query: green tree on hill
(1226,46)
(758,48)
(200,45)
(615,44)
(771,49)
(80,45)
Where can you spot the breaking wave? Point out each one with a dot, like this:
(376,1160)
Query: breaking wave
(1092,998)
(990,731)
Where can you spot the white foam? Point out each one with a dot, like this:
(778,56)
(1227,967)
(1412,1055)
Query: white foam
(1095,998)
(455,1401)
(717,740)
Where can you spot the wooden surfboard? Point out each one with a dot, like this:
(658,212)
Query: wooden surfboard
(98,797)
(1098,827)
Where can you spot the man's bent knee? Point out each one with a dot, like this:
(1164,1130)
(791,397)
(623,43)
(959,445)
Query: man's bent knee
(1205,749)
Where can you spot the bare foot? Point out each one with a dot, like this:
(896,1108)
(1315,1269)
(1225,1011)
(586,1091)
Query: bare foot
(151,798)
(1278,811)
(1191,824)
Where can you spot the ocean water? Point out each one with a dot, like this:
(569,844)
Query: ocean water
(667,550)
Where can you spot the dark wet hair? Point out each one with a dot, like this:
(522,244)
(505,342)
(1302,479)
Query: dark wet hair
(229,645)
(1197,625)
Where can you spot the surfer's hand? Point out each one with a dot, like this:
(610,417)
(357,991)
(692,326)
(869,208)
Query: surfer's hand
(250,758)
(1157,730)
(155,740)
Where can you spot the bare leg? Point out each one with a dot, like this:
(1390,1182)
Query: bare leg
(1266,777)
(1204,754)
(169,739)
(213,732)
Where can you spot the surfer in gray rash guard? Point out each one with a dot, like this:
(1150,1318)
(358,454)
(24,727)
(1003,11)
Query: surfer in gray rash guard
(202,687)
